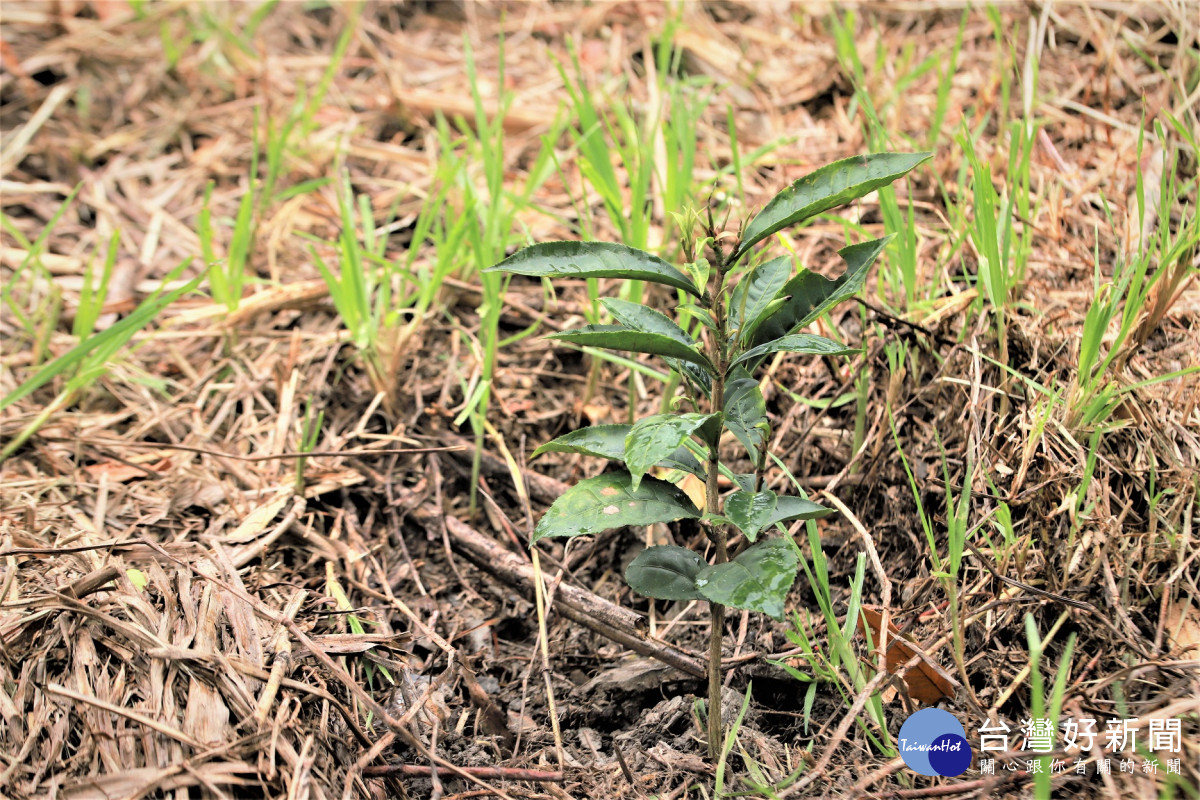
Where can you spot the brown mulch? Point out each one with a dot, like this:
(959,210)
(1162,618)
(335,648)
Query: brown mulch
(177,618)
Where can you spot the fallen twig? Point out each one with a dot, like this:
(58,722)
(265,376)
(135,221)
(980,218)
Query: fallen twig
(579,605)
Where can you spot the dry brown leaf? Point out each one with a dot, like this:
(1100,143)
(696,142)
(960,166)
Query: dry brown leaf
(115,471)
(596,413)
(139,466)
(695,489)
(111,10)
(926,682)
(332,481)
(258,519)
(1183,626)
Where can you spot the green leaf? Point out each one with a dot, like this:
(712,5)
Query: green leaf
(699,270)
(701,314)
(747,333)
(610,501)
(666,572)
(791,507)
(620,337)
(828,187)
(593,260)
(757,580)
(811,295)
(745,410)
(750,511)
(757,290)
(710,431)
(652,439)
(806,343)
(608,441)
(646,319)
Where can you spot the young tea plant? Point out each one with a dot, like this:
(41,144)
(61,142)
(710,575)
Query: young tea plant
(749,313)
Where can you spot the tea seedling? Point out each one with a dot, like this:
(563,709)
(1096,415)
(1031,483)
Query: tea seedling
(758,315)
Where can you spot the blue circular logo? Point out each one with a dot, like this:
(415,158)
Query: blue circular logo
(932,742)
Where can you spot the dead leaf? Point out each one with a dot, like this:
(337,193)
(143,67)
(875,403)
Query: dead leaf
(332,481)
(695,489)
(1183,626)
(692,486)
(595,413)
(111,10)
(926,682)
(258,519)
(143,465)
(115,471)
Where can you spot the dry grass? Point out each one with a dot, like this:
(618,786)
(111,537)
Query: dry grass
(175,618)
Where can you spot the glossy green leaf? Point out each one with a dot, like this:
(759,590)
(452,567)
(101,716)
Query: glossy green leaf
(608,441)
(666,572)
(710,431)
(646,319)
(604,441)
(610,501)
(698,271)
(701,314)
(744,480)
(750,511)
(811,295)
(755,292)
(593,260)
(745,410)
(806,343)
(751,327)
(789,507)
(652,439)
(620,337)
(757,580)
(748,335)
(828,187)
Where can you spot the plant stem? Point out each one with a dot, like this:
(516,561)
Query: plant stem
(717,613)
(713,506)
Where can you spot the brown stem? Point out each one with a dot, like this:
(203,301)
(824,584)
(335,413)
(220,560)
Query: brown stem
(715,732)
(713,506)
(717,611)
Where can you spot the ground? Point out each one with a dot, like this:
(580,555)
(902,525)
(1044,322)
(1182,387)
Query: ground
(263,526)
